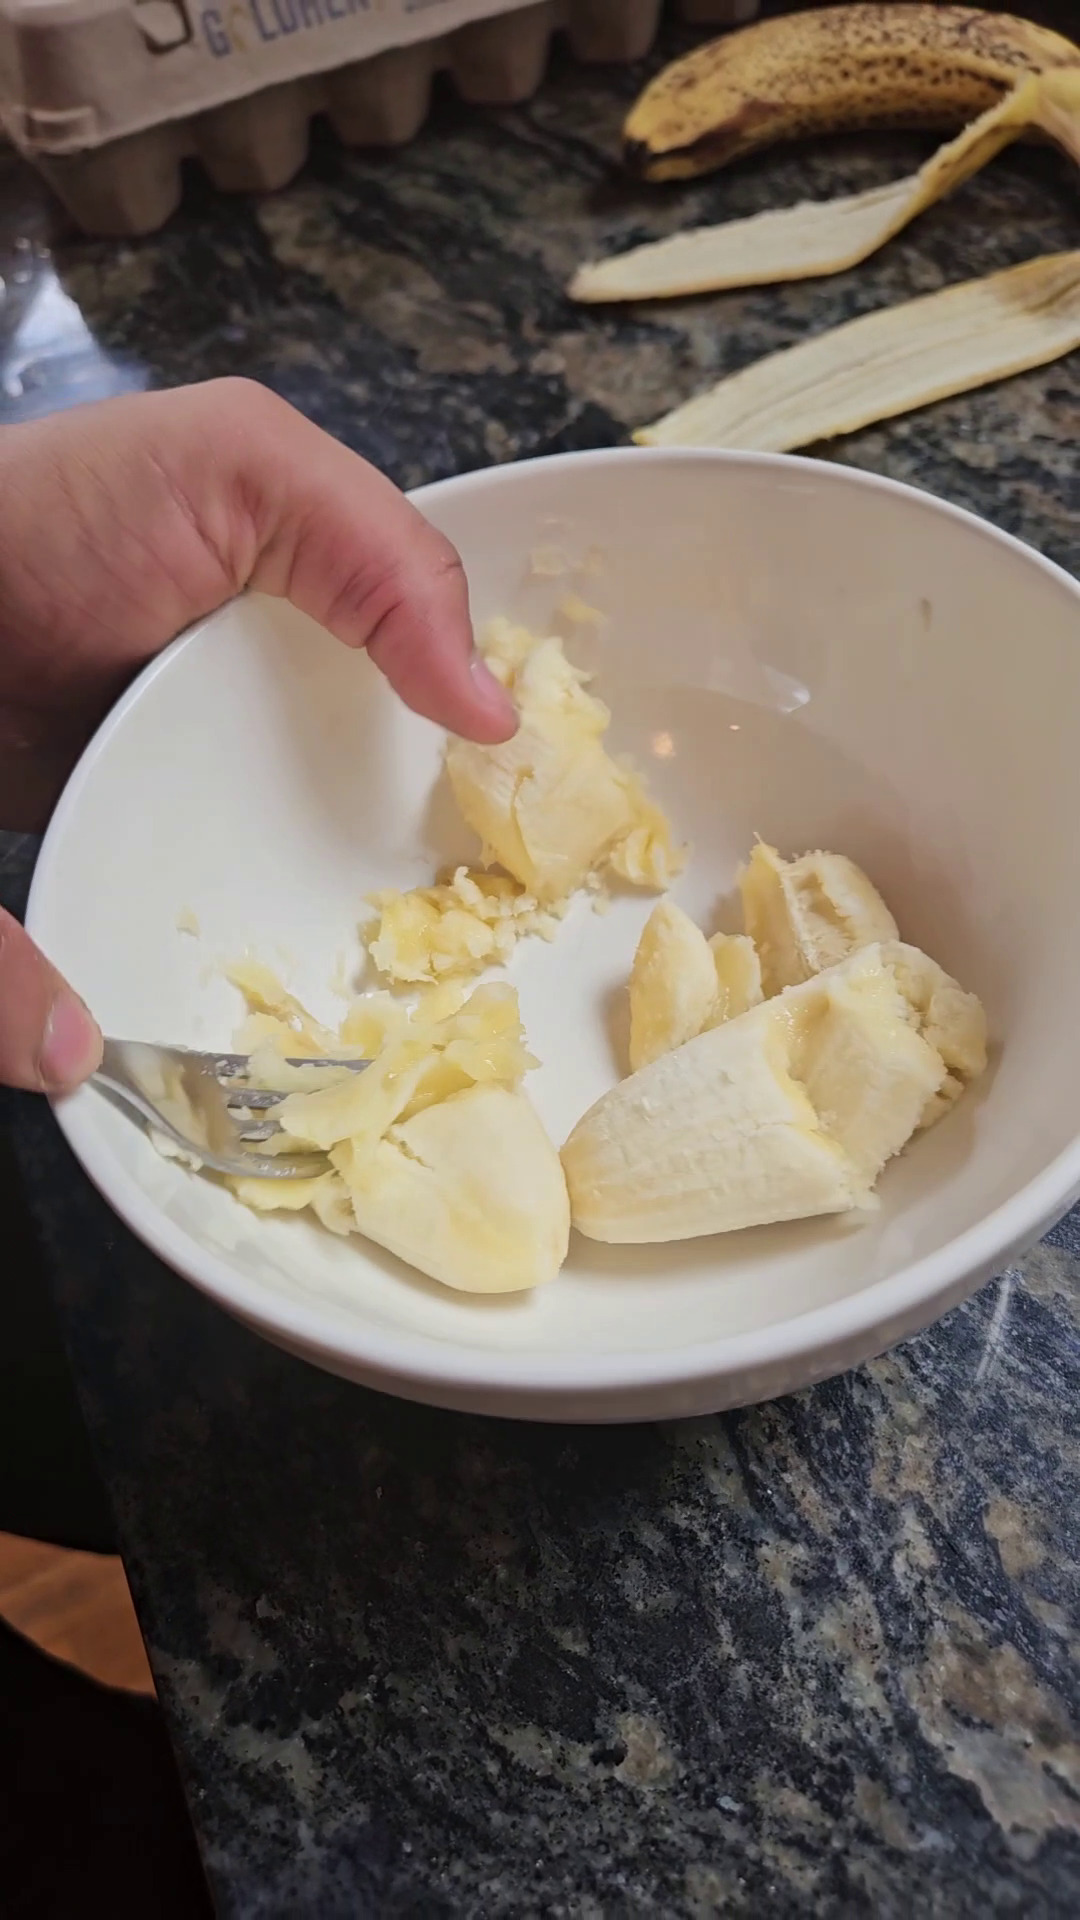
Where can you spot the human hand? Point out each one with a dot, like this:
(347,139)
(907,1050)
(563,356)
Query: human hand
(122,523)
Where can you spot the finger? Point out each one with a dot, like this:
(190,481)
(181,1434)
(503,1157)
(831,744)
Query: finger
(344,545)
(48,1041)
(417,642)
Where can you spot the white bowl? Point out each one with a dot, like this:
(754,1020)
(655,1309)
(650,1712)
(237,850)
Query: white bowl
(795,650)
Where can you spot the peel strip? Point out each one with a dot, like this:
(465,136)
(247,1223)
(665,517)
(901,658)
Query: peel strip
(822,237)
(888,362)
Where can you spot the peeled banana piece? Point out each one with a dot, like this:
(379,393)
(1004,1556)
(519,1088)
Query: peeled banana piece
(832,70)
(788,1111)
(469,1190)
(434,1152)
(551,805)
(802,917)
(672,984)
(681,983)
(808,914)
(740,1112)
(888,363)
(821,237)
(458,926)
(738,976)
(551,808)
(951,1021)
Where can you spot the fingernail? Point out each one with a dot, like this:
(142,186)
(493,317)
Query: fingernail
(491,691)
(71,1048)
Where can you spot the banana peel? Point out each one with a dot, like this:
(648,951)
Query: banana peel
(817,238)
(832,70)
(888,363)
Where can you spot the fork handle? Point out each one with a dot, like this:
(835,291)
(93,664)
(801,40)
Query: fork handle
(114,1077)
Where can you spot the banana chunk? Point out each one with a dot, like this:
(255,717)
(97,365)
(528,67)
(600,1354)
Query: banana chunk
(790,1110)
(672,984)
(738,976)
(681,983)
(434,1152)
(457,926)
(808,914)
(952,1021)
(551,805)
(472,1186)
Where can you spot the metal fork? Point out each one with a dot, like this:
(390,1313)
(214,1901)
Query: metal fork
(203,1104)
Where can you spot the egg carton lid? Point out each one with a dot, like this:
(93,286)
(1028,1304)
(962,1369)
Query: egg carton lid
(75,74)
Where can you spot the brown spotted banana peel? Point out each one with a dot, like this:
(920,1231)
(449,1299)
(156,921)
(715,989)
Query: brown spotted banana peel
(832,70)
(817,238)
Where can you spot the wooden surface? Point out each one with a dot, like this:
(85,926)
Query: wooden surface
(75,1606)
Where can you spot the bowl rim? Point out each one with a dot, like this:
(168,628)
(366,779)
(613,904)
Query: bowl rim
(898,1303)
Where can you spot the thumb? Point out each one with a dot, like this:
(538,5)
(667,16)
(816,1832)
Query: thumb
(334,536)
(48,1041)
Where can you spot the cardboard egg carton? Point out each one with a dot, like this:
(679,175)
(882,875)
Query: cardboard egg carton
(107,97)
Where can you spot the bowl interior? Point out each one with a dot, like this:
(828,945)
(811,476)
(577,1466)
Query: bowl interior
(790,650)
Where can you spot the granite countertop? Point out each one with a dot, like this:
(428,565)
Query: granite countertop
(818,1657)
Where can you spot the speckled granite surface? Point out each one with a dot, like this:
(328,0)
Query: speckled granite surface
(815,1658)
